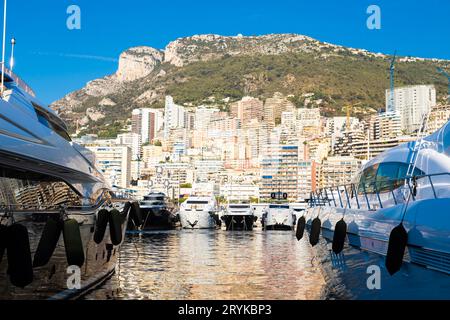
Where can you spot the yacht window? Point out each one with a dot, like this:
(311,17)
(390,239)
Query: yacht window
(155,198)
(387,176)
(46,121)
(367,181)
(391,175)
(32,190)
(196,202)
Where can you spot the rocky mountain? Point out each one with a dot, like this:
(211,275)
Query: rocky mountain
(214,69)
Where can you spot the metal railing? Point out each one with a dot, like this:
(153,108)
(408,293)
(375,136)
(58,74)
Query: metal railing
(356,196)
(20,83)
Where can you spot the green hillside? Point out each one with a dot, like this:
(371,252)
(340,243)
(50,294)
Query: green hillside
(336,79)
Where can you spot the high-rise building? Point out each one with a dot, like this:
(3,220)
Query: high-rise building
(309,122)
(239,191)
(318,149)
(275,106)
(389,125)
(133,141)
(439,116)
(225,124)
(247,109)
(288,119)
(369,149)
(412,103)
(146,122)
(208,169)
(114,162)
(174,116)
(279,171)
(152,155)
(341,143)
(338,171)
(203,117)
(337,125)
(257,135)
(307,178)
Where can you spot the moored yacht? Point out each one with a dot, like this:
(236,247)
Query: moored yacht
(199,212)
(386,235)
(58,217)
(278,216)
(238,216)
(157,212)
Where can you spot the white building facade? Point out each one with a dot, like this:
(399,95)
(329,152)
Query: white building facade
(412,103)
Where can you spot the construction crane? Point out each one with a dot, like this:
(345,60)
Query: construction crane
(349,110)
(448,79)
(391,106)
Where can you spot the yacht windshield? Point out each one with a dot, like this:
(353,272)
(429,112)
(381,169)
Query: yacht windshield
(236,206)
(197,202)
(278,206)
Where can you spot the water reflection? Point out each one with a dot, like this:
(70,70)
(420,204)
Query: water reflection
(208,264)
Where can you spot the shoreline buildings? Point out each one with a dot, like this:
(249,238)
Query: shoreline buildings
(259,147)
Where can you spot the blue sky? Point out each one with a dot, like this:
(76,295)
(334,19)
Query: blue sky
(56,61)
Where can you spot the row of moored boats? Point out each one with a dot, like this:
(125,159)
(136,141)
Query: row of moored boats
(203,212)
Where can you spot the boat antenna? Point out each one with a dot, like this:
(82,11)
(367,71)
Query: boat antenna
(11,62)
(3,46)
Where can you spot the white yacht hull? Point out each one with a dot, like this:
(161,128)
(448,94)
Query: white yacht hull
(276,219)
(197,220)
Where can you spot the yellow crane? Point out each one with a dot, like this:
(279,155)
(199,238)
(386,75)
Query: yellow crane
(349,110)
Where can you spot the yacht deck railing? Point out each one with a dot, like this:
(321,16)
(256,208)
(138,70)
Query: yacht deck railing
(357,196)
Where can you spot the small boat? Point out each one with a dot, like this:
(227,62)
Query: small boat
(278,216)
(199,212)
(158,213)
(386,235)
(238,216)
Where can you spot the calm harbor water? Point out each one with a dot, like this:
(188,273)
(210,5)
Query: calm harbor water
(214,264)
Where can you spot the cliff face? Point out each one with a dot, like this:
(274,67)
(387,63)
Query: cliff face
(213,67)
(136,63)
(208,47)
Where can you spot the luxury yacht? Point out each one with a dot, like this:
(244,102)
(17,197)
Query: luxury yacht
(278,216)
(60,226)
(387,235)
(157,212)
(238,216)
(199,212)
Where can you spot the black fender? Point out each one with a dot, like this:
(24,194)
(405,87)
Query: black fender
(47,243)
(100,225)
(73,243)
(20,267)
(115,227)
